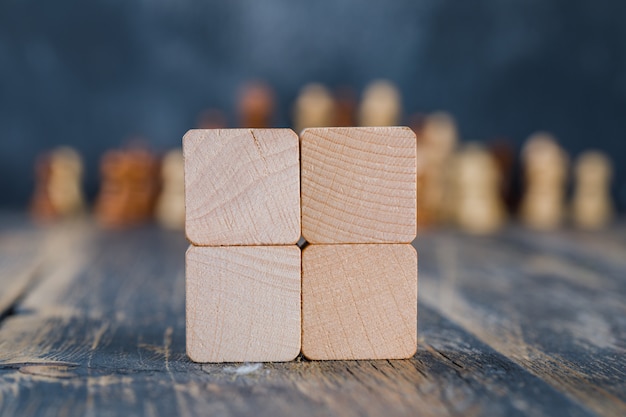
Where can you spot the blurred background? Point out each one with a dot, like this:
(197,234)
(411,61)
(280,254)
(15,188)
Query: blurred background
(97,75)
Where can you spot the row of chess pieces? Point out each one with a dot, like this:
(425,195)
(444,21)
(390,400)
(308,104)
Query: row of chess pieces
(136,186)
(467,185)
(471,186)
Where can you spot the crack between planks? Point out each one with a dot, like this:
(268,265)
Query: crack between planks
(31,278)
(564,390)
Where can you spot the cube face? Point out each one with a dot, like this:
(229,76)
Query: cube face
(243,303)
(359,301)
(242,187)
(358,185)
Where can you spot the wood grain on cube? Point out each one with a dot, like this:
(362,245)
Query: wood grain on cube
(358,185)
(243,303)
(242,187)
(359,301)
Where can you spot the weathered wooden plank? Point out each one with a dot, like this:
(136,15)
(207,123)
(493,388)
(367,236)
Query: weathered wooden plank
(600,250)
(104,332)
(565,325)
(20,257)
(452,375)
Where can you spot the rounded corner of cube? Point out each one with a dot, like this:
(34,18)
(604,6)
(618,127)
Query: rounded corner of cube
(310,239)
(193,355)
(189,135)
(190,249)
(292,237)
(293,355)
(312,356)
(409,246)
(305,134)
(292,133)
(408,130)
(411,351)
(193,240)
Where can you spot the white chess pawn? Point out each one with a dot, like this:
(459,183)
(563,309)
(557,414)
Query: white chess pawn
(314,107)
(170,210)
(477,204)
(438,141)
(545,174)
(381,105)
(591,205)
(64,187)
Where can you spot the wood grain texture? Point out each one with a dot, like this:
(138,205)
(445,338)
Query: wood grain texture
(19,262)
(559,318)
(358,185)
(359,301)
(242,187)
(243,303)
(538,331)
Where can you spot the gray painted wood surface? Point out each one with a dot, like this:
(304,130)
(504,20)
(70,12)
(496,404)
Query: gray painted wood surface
(518,324)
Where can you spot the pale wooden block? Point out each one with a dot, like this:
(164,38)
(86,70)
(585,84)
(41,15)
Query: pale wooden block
(242,187)
(358,185)
(359,301)
(243,303)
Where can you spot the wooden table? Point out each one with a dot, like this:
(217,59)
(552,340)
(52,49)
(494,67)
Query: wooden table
(92,323)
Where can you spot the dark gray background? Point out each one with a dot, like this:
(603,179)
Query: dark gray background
(93,73)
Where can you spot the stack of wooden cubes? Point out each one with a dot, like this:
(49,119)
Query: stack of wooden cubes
(252,294)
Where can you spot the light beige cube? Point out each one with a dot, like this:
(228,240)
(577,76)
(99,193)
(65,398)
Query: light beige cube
(243,303)
(358,185)
(242,187)
(359,301)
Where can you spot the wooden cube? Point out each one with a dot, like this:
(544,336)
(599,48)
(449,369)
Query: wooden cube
(242,187)
(358,185)
(243,303)
(359,301)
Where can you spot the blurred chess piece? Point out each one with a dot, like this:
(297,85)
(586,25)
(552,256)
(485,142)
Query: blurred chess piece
(58,193)
(478,207)
(545,174)
(314,107)
(437,142)
(592,208)
(504,155)
(130,183)
(345,107)
(256,105)
(170,211)
(381,105)
(212,119)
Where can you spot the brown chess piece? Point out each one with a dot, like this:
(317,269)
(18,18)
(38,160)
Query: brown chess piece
(545,174)
(41,207)
(314,107)
(256,105)
(58,192)
(381,105)
(345,107)
(212,119)
(437,143)
(130,182)
(592,208)
(504,155)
